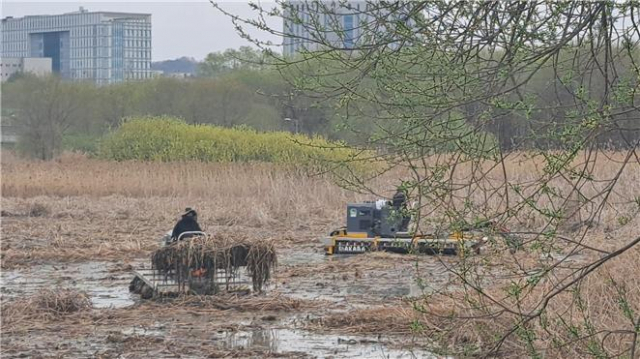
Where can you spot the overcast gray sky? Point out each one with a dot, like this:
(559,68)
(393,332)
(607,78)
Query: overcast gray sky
(192,28)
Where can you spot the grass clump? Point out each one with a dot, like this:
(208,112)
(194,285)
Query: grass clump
(48,304)
(60,302)
(38,210)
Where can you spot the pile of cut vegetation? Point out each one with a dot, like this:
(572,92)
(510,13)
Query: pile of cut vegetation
(216,259)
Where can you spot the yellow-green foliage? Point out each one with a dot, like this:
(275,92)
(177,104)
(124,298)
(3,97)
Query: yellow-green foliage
(169,139)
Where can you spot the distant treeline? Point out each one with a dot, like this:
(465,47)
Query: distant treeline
(51,114)
(237,88)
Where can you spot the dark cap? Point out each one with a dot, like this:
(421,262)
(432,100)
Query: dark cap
(189,212)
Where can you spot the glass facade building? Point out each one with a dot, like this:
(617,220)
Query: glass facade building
(341,24)
(104,47)
(334,22)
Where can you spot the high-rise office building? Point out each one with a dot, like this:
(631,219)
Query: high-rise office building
(309,25)
(104,47)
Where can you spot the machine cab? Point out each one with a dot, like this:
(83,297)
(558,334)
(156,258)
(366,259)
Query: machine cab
(373,219)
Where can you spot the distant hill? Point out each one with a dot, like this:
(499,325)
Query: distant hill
(184,65)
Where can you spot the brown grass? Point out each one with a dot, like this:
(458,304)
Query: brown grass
(268,193)
(273,302)
(388,320)
(46,305)
(583,321)
(75,175)
(125,207)
(98,209)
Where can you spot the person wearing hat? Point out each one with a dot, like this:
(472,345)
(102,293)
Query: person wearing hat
(188,223)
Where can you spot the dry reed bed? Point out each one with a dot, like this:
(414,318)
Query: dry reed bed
(72,308)
(75,175)
(270,195)
(85,228)
(274,202)
(79,229)
(607,201)
(109,209)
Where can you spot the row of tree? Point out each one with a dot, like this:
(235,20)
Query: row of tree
(51,114)
(238,87)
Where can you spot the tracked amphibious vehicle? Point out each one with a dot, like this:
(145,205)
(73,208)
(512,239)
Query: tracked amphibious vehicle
(377,226)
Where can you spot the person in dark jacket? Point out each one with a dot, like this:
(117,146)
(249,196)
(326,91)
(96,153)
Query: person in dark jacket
(399,200)
(399,203)
(188,223)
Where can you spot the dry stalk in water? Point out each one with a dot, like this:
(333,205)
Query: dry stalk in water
(210,253)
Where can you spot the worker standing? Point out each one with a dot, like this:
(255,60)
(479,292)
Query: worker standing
(399,200)
(399,203)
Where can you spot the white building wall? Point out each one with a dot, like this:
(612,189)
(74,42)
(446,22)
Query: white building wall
(12,65)
(9,66)
(38,66)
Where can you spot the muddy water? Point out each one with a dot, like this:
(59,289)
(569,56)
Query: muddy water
(386,279)
(106,283)
(277,341)
(313,344)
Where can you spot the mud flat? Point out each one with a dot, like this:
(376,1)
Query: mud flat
(92,245)
(39,255)
(274,324)
(106,283)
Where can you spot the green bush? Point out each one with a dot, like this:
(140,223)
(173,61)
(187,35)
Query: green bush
(88,144)
(169,139)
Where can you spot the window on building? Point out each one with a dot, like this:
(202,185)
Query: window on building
(348,31)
